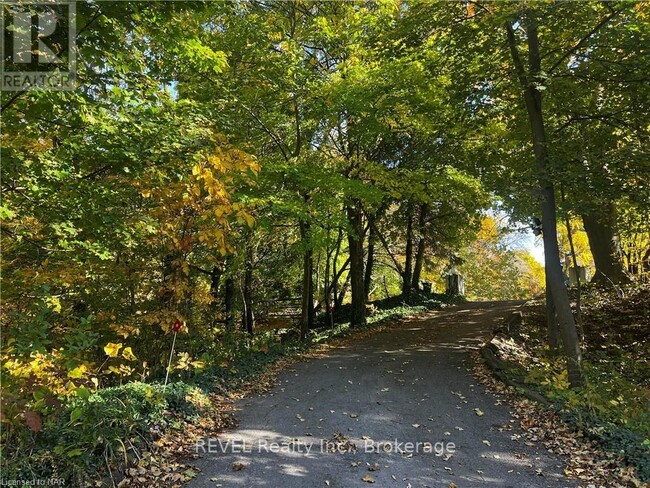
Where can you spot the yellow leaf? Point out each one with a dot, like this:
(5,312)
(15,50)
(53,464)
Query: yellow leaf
(54,303)
(368,479)
(112,349)
(198,364)
(78,372)
(249,219)
(127,353)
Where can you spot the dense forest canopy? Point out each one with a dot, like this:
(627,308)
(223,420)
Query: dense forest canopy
(219,158)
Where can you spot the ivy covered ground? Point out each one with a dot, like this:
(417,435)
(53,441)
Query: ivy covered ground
(605,424)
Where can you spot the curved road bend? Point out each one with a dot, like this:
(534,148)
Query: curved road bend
(408,384)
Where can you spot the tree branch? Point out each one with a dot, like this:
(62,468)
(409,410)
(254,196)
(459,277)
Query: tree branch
(519,65)
(581,42)
(278,142)
(382,239)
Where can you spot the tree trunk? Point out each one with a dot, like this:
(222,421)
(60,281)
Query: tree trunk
(215,278)
(326,284)
(356,274)
(370,260)
(311,311)
(336,274)
(552,328)
(419,254)
(408,264)
(605,247)
(533,99)
(247,292)
(644,263)
(316,275)
(229,303)
(338,299)
(307,315)
(574,259)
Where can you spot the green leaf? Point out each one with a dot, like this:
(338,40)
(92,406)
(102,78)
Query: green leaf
(76,414)
(83,392)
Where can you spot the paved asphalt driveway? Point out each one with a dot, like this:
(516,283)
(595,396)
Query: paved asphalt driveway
(410,384)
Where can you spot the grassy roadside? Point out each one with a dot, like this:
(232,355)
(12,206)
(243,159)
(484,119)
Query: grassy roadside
(137,433)
(613,408)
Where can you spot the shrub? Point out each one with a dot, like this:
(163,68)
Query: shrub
(92,428)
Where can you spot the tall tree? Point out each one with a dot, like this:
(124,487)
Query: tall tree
(531,82)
